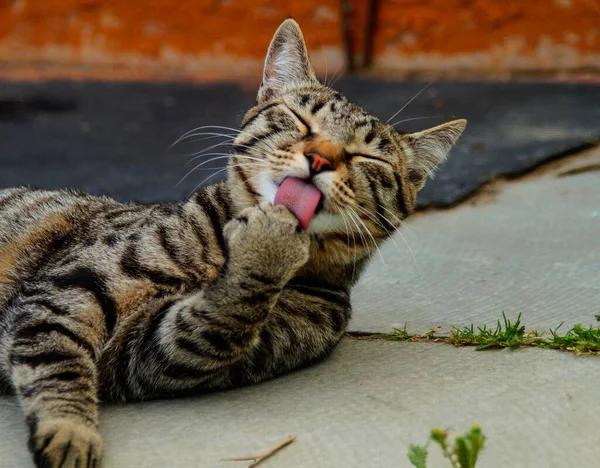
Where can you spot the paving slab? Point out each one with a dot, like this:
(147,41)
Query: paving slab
(534,249)
(113,138)
(362,407)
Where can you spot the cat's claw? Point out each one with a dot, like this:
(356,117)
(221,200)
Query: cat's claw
(66,444)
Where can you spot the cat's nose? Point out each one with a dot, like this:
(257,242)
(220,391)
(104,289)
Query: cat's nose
(318,162)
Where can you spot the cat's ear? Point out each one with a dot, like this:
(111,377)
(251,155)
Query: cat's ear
(429,148)
(287,63)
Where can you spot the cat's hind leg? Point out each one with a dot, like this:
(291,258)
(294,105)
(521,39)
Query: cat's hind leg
(51,358)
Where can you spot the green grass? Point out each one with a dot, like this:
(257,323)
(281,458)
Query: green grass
(506,334)
(464,453)
(467,447)
(401,334)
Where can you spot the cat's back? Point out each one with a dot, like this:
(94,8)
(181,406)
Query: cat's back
(29,216)
(34,223)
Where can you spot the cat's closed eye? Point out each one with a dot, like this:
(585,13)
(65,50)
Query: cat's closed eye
(307,128)
(369,157)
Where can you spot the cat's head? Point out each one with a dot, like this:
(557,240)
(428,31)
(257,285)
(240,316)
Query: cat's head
(367,172)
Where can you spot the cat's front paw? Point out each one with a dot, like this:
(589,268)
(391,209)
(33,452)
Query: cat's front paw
(65,443)
(267,240)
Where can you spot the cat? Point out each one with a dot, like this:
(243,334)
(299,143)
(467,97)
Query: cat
(247,279)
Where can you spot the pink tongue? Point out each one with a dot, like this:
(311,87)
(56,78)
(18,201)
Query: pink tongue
(300,198)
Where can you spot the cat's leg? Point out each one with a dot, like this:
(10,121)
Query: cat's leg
(246,326)
(51,357)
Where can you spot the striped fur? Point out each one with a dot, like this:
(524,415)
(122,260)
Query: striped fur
(120,302)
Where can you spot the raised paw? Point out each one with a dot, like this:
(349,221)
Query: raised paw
(267,240)
(66,444)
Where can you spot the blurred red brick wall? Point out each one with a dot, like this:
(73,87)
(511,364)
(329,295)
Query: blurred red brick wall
(228,38)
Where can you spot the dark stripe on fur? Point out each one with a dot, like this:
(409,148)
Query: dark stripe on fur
(240,172)
(326,295)
(369,137)
(90,280)
(213,216)
(304,99)
(190,346)
(80,398)
(400,196)
(260,300)
(150,336)
(180,371)
(263,279)
(131,266)
(66,376)
(381,218)
(319,283)
(384,142)
(258,113)
(317,107)
(37,388)
(80,412)
(116,213)
(244,319)
(303,122)
(171,249)
(35,360)
(217,341)
(225,200)
(46,304)
(32,331)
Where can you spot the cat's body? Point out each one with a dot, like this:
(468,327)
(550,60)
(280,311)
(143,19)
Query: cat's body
(128,302)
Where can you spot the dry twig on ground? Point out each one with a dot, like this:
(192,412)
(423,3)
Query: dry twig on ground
(262,456)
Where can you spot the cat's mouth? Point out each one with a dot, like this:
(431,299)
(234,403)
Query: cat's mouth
(301,197)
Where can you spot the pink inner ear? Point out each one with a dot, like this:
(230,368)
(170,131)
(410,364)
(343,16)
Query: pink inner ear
(300,197)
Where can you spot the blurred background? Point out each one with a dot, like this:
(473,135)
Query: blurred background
(220,39)
(93,92)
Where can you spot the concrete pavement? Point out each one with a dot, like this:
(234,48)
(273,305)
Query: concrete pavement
(362,408)
(534,247)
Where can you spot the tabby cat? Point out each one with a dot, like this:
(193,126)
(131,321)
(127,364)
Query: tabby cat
(246,280)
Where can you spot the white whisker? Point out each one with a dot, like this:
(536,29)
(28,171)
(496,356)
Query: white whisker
(227,156)
(208,134)
(195,140)
(189,132)
(347,229)
(374,241)
(222,156)
(354,243)
(397,229)
(250,176)
(413,118)
(411,100)
(230,166)
(334,79)
(401,222)
(205,180)
(199,154)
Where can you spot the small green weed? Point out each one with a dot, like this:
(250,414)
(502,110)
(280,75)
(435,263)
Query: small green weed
(579,339)
(506,335)
(401,334)
(464,454)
